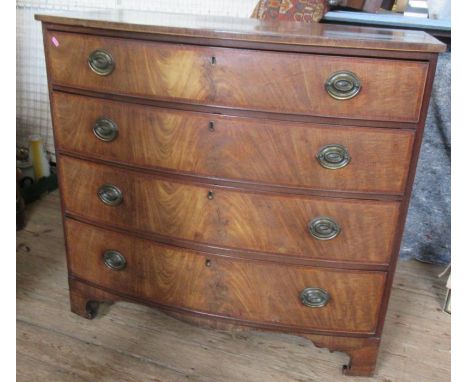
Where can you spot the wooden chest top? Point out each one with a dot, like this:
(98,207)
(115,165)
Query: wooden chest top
(243,30)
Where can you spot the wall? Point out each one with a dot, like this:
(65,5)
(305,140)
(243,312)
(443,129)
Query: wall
(32,100)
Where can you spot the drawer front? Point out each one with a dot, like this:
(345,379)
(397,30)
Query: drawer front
(248,290)
(264,151)
(390,90)
(228,218)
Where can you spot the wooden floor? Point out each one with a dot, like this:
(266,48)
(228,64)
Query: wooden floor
(128,342)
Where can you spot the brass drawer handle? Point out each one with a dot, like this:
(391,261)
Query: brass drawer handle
(114,260)
(314,297)
(110,195)
(324,228)
(101,62)
(333,157)
(105,129)
(343,85)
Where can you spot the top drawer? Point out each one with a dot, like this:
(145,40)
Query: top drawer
(389,90)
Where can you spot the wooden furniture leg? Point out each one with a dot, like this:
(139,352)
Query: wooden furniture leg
(85,300)
(362,352)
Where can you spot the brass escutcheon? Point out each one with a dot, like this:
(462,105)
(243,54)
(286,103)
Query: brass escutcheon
(343,85)
(101,62)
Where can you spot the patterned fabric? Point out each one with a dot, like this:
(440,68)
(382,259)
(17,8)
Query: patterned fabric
(291,10)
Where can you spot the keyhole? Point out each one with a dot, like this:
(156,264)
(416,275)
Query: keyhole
(213,60)
(208,263)
(211,126)
(210,195)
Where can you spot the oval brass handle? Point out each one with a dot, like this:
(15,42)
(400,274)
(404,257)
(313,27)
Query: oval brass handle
(333,157)
(334,3)
(314,297)
(105,129)
(114,260)
(110,195)
(324,228)
(343,85)
(101,62)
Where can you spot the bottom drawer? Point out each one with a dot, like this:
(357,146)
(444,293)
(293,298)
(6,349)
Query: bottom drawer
(254,291)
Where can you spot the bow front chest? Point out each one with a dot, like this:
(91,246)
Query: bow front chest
(238,173)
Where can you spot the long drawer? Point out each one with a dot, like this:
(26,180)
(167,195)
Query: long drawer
(246,290)
(322,228)
(265,151)
(373,89)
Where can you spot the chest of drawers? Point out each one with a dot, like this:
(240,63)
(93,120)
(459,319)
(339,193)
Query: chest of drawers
(237,173)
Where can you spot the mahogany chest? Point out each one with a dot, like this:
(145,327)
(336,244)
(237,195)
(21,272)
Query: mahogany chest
(238,173)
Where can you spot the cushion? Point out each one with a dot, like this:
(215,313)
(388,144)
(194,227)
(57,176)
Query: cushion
(291,10)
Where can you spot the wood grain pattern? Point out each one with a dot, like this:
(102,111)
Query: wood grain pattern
(362,351)
(244,220)
(248,44)
(245,79)
(253,227)
(409,188)
(145,344)
(265,151)
(240,289)
(238,30)
(277,116)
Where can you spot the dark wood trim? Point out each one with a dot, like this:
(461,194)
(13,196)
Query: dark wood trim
(264,326)
(442,35)
(235,253)
(409,186)
(59,180)
(224,183)
(222,110)
(223,43)
(251,31)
